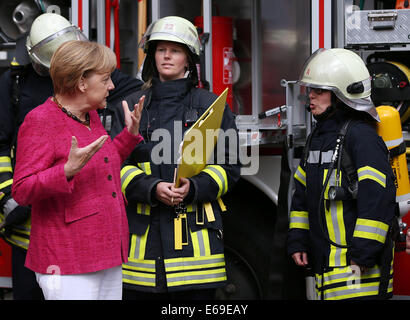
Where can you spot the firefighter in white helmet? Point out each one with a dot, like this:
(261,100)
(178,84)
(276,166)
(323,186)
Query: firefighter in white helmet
(183,258)
(24,86)
(47,33)
(344,199)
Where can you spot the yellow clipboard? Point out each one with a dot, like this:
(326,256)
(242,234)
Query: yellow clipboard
(199,141)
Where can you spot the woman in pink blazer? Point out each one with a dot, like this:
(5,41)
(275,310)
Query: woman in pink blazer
(68,170)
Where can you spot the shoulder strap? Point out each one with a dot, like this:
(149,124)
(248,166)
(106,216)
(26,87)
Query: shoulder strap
(345,162)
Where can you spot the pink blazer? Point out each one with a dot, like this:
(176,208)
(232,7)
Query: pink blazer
(78,226)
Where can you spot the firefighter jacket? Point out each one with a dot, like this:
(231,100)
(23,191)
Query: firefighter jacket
(154,263)
(361,224)
(21,90)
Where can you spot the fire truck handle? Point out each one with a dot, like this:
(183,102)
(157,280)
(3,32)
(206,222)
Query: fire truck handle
(272,112)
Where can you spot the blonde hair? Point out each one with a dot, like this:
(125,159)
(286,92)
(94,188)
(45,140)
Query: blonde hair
(76,59)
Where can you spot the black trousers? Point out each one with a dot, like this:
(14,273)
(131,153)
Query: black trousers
(25,286)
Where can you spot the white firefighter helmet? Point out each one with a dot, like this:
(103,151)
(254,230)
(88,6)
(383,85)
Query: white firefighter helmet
(343,72)
(172,28)
(47,33)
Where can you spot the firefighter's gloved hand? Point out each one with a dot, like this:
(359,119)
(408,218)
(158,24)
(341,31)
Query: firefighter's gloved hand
(17,216)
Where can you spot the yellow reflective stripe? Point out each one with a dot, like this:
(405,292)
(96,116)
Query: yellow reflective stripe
(193,263)
(6,183)
(5,164)
(221,204)
(145,166)
(137,270)
(335,225)
(299,220)
(368,172)
(143,208)
(200,243)
(300,175)
(138,245)
(138,278)
(18,241)
(127,174)
(371,229)
(345,284)
(2,195)
(196,277)
(140,265)
(218,174)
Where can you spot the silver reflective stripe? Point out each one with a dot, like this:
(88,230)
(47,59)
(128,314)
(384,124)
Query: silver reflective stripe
(141,265)
(355,290)
(137,247)
(201,243)
(336,227)
(304,220)
(314,157)
(9,206)
(300,176)
(127,173)
(370,229)
(394,143)
(193,263)
(327,156)
(194,277)
(368,171)
(140,279)
(299,220)
(220,176)
(323,157)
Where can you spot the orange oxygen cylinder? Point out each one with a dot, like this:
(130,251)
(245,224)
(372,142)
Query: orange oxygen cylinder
(389,128)
(222,54)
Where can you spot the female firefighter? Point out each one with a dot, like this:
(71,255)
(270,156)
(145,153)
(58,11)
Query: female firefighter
(344,201)
(171,255)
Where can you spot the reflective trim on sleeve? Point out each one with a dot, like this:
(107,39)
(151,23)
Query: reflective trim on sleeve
(218,174)
(145,166)
(300,175)
(6,183)
(127,174)
(371,229)
(299,220)
(368,172)
(5,164)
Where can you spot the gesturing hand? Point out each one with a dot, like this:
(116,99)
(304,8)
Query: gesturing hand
(78,157)
(132,118)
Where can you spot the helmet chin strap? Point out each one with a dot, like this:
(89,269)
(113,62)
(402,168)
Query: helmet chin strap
(325,114)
